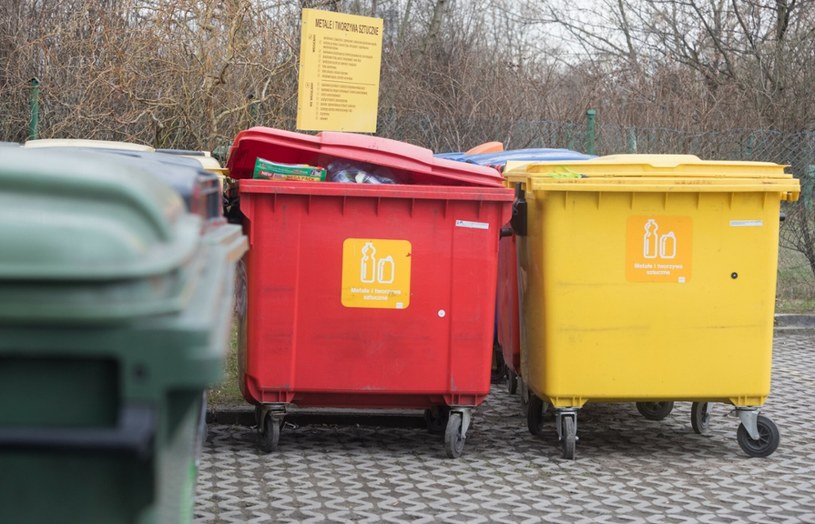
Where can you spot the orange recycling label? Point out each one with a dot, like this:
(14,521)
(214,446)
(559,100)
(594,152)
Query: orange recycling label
(658,249)
(376,273)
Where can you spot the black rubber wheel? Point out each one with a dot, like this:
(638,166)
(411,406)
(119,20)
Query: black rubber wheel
(453,439)
(568,440)
(270,435)
(700,417)
(655,410)
(512,382)
(436,419)
(767,441)
(534,414)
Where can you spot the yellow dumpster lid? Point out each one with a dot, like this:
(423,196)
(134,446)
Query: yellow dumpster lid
(209,163)
(654,173)
(205,158)
(83,143)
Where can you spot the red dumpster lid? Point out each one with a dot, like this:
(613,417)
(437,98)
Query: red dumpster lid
(412,164)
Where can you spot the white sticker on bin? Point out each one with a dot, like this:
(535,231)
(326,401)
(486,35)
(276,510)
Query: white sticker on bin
(472,225)
(746,223)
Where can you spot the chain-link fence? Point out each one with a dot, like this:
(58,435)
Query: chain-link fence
(796,274)
(796,280)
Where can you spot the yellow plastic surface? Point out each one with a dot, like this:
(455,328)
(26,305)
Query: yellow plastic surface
(658,288)
(80,142)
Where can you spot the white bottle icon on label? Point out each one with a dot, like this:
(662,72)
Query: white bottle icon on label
(650,243)
(371,270)
(367,266)
(655,245)
(667,245)
(385,270)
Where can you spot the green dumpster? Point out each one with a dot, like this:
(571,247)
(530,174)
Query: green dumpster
(114,319)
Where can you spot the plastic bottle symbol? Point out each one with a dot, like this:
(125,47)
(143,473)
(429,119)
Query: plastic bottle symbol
(371,270)
(385,270)
(650,244)
(655,245)
(667,245)
(367,266)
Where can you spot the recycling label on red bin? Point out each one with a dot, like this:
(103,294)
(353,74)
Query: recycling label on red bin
(376,273)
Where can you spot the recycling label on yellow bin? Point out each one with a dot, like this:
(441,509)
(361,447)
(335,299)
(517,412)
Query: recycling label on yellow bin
(376,273)
(658,249)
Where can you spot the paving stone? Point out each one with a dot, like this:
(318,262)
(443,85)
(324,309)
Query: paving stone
(628,469)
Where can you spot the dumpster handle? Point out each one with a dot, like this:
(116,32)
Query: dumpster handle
(133,434)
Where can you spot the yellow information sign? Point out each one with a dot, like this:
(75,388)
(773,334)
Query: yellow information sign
(658,249)
(376,273)
(340,57)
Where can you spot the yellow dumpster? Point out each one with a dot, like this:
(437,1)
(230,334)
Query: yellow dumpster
(649,279)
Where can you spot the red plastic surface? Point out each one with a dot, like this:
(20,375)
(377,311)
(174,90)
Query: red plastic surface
(509,336)
(411,164)
(304,346)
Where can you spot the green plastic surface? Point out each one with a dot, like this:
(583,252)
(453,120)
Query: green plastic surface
(90,237)
(59,377)
(87,240)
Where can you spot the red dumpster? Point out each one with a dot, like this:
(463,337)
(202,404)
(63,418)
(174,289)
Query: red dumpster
(368,295)
(509,337)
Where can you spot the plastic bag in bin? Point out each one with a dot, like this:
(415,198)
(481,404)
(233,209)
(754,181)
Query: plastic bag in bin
(359,173)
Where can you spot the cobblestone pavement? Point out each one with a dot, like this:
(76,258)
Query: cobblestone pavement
(628,469)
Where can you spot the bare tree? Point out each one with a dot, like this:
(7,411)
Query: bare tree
(749,53)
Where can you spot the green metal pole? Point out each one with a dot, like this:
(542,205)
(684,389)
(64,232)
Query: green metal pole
(591,147)
(34,123)
(751,143)
(632,140)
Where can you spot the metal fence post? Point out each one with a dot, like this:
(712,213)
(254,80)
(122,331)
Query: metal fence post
(751,142)
(34,122)
(632,140)
(590,132)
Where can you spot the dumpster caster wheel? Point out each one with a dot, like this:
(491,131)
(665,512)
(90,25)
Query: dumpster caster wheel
(512,382)
(453,437)
(568,438)
(767,441)
(270,435)
(700,417)
(525,393)
(436,419)
(655,410)
(534,414)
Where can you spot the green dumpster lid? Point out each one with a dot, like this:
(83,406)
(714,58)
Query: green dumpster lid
(83,216)
(655,173)
(92,238)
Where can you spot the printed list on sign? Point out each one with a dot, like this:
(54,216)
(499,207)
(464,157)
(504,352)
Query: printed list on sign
(340,57)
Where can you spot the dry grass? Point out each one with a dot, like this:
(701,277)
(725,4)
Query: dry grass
(228,394)
(796,284)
